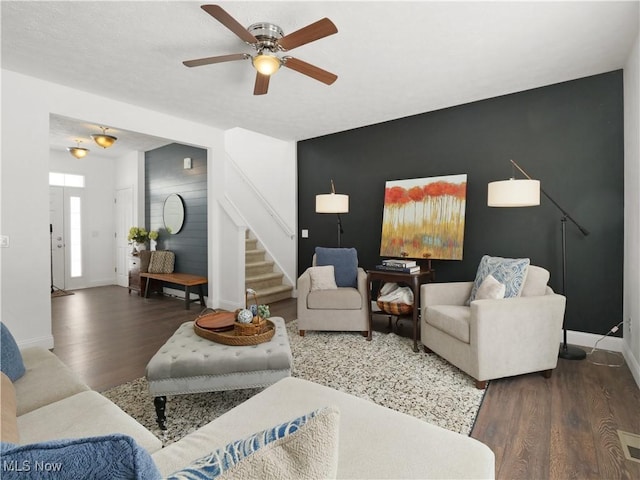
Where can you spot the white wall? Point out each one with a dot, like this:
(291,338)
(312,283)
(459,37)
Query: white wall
(631,308)
(26,302)
(269,166)
(27,103)
(130,174)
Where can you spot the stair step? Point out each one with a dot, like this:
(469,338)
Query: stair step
(274,294)
(260,274)
(264,280)
(253,256)
(257,268)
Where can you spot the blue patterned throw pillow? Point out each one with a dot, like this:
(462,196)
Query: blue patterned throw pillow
(11,362)
(305,447)
(99,458)
(511,272)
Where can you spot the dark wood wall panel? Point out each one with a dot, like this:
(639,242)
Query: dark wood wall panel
(164,175)
(568,135)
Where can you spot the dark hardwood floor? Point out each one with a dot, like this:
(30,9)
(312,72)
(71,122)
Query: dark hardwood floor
(564,427)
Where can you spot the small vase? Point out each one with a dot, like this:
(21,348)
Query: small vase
(141,246)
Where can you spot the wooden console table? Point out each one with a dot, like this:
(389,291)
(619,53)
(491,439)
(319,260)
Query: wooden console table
(413,280)
(187,280)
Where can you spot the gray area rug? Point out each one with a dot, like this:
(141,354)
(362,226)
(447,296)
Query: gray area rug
(385,371)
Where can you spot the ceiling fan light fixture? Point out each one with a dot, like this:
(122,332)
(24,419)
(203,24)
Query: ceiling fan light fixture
(78,151)
(104,140)
(266,63)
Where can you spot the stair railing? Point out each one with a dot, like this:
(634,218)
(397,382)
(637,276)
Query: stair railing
(234,212)
(282,224)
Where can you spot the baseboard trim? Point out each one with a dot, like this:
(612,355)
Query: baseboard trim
(613,344)
(44,342)
(632,362)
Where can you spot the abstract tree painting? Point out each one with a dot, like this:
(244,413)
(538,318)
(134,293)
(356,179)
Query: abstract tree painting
(424,217)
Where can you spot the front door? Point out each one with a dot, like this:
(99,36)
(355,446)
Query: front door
(66,227)
(56,232)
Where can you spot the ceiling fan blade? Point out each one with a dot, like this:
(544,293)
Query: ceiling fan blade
(219,59)
(262,84)
(315,31)
(310,70)
(217,12)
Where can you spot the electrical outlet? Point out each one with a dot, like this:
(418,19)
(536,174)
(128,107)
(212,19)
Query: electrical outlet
(4,241)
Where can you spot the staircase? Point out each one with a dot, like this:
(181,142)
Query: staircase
(260,275)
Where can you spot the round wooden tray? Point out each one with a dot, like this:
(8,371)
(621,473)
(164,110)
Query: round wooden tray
(230,337)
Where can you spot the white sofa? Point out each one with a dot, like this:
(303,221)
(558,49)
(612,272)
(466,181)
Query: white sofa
(374,442)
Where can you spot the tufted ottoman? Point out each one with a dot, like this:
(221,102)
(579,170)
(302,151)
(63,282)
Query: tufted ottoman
(187,363)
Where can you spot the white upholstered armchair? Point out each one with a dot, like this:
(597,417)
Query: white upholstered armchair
(339,308)
(494,338)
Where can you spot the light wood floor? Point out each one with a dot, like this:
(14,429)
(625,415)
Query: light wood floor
(561,428)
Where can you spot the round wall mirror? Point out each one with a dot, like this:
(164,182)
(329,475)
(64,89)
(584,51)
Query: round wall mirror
(173,213)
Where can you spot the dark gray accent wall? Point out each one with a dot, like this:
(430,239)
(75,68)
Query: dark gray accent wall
(164,175)
(568,135)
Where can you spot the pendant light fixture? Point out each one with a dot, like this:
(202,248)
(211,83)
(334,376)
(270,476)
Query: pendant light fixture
(104,140)
(78,151)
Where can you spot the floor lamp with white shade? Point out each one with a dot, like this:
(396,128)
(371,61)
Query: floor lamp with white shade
(526,193)
(333,203)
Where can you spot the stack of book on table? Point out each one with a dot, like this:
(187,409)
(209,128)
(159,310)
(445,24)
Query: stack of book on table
(399,265)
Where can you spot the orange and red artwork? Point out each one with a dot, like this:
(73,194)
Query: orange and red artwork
(424,217)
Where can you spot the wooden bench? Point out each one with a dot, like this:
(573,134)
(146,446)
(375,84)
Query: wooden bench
(187,280)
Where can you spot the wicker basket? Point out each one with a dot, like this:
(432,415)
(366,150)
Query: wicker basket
(395,308)
(256,327)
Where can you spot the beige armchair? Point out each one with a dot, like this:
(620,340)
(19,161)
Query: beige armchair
(340,309)
(494,338)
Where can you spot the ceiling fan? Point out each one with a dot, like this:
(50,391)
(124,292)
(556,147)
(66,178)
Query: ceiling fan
(269,40)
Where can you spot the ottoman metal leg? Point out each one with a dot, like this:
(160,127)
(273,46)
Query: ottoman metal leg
(160,404)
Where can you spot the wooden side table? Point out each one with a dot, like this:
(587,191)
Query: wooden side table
(414,280)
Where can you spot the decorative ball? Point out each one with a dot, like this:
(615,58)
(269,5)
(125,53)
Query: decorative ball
(245,316)
(263,311)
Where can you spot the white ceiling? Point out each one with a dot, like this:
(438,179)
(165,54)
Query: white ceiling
(393,59)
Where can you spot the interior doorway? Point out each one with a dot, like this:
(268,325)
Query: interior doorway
(124,220)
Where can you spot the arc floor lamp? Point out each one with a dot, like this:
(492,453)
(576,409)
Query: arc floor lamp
(526,193)
(333,203)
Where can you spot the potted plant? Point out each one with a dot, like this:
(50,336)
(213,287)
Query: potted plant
(138,236)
